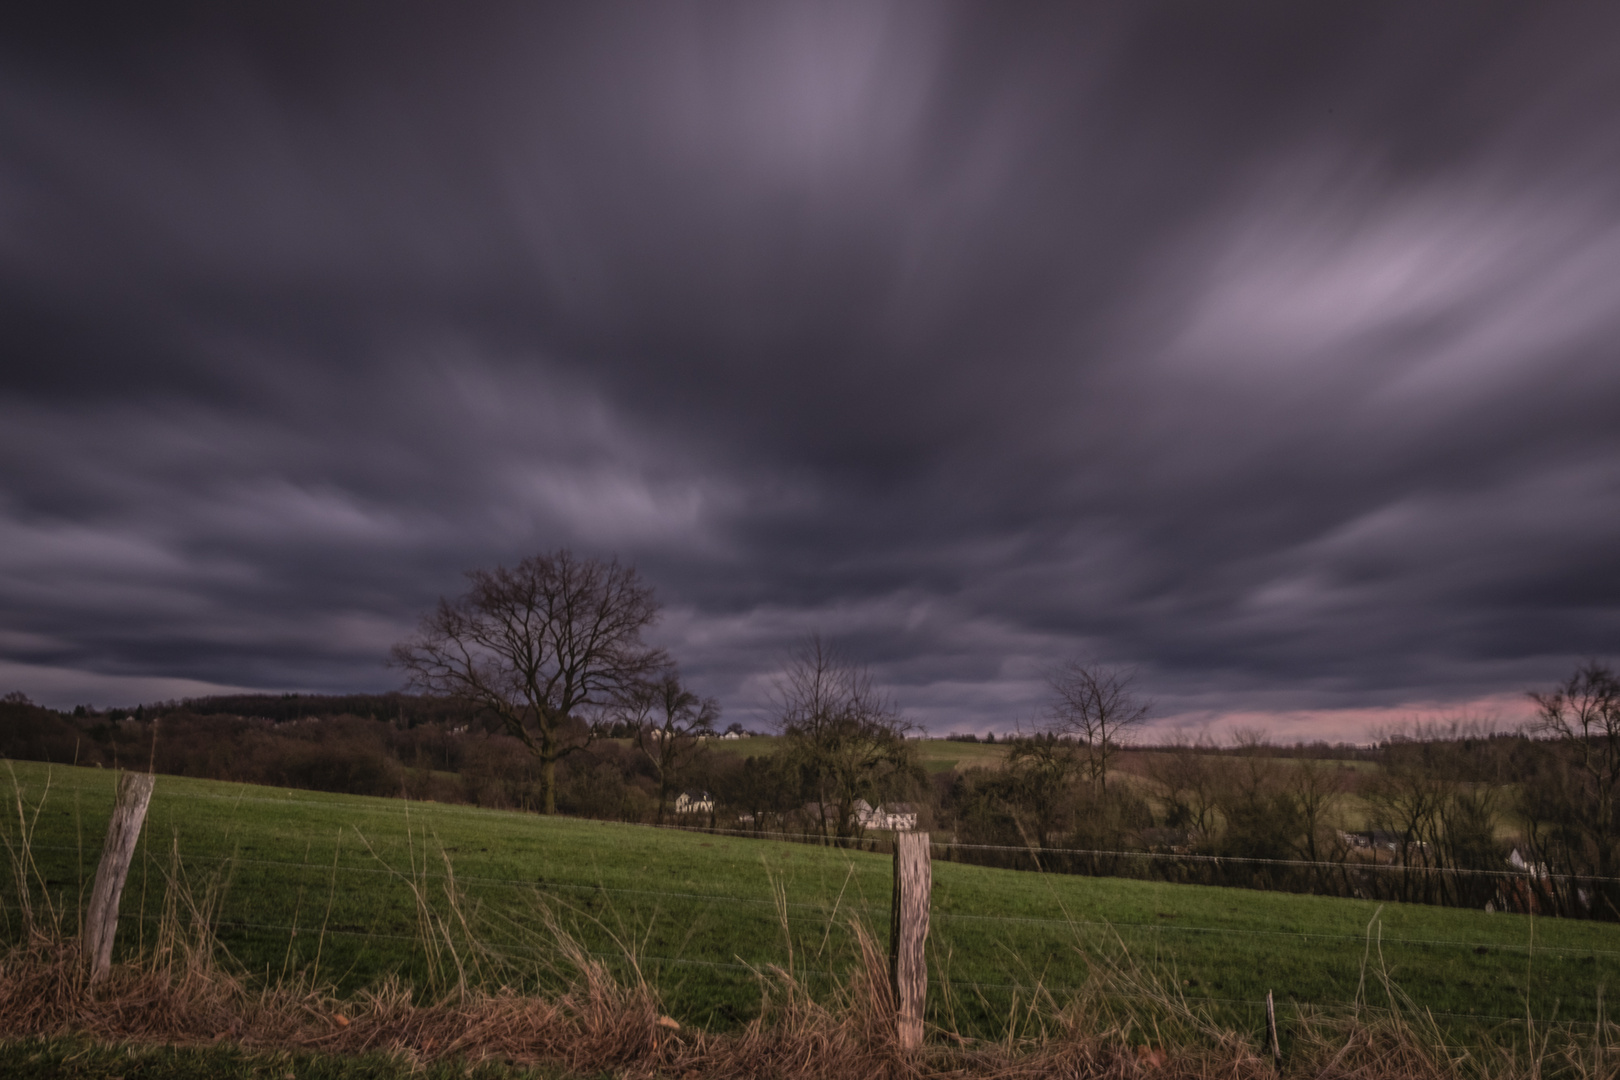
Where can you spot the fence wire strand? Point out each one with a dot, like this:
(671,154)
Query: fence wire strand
(940,913)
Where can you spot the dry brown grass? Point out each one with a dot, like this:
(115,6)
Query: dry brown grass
(603,1023)
(599,1024)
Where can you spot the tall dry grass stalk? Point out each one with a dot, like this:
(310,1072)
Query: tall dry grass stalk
(39,919)
(597,1016)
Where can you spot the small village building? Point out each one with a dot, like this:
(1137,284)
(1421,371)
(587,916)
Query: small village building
(893,817)
(1530,867)
(898,817)
(694,802)
(890,817)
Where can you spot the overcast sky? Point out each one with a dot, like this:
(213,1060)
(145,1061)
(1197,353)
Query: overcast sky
(1273,352)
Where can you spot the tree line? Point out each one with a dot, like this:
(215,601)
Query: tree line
(535,690)
(1442,813)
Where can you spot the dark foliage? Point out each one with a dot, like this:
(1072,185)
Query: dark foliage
(30,733)
(406,710)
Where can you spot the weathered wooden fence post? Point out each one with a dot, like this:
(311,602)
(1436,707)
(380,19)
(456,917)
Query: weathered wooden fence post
(1271,1031)
(908,929)
(129,812)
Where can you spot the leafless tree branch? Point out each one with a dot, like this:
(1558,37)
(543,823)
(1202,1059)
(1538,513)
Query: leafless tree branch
(544,646)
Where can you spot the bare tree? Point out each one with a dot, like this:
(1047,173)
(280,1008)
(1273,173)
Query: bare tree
(1259,817)
(1317,789)
(670,723)
(542,645)
(1406,798)
(844,738)
(1582,715)
(1187,772)
(1097,707)
(1043,767)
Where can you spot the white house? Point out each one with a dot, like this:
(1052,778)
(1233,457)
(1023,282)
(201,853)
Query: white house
(694,802)
(1523,865)
(896,817)
(900,817)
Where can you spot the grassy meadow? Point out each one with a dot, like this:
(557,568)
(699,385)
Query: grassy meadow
(345,889)
(935,755)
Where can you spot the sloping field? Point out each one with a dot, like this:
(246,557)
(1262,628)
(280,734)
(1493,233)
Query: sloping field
(343,886)
(934,755)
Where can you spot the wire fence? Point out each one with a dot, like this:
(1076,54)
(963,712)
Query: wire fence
(1054,931)
(878,843)
(643,960)
(1051,930)
(1530,890)
(1420,879)
(881,844)
(544,886)
(800,972)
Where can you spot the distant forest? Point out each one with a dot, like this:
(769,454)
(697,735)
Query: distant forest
(393,744)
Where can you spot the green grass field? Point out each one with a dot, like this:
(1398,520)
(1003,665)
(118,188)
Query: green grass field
(935,755)
(308,879)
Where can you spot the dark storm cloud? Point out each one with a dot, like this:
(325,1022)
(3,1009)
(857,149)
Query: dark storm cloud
(1267,351)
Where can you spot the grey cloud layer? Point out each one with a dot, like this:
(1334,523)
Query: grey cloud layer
(1270,353)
